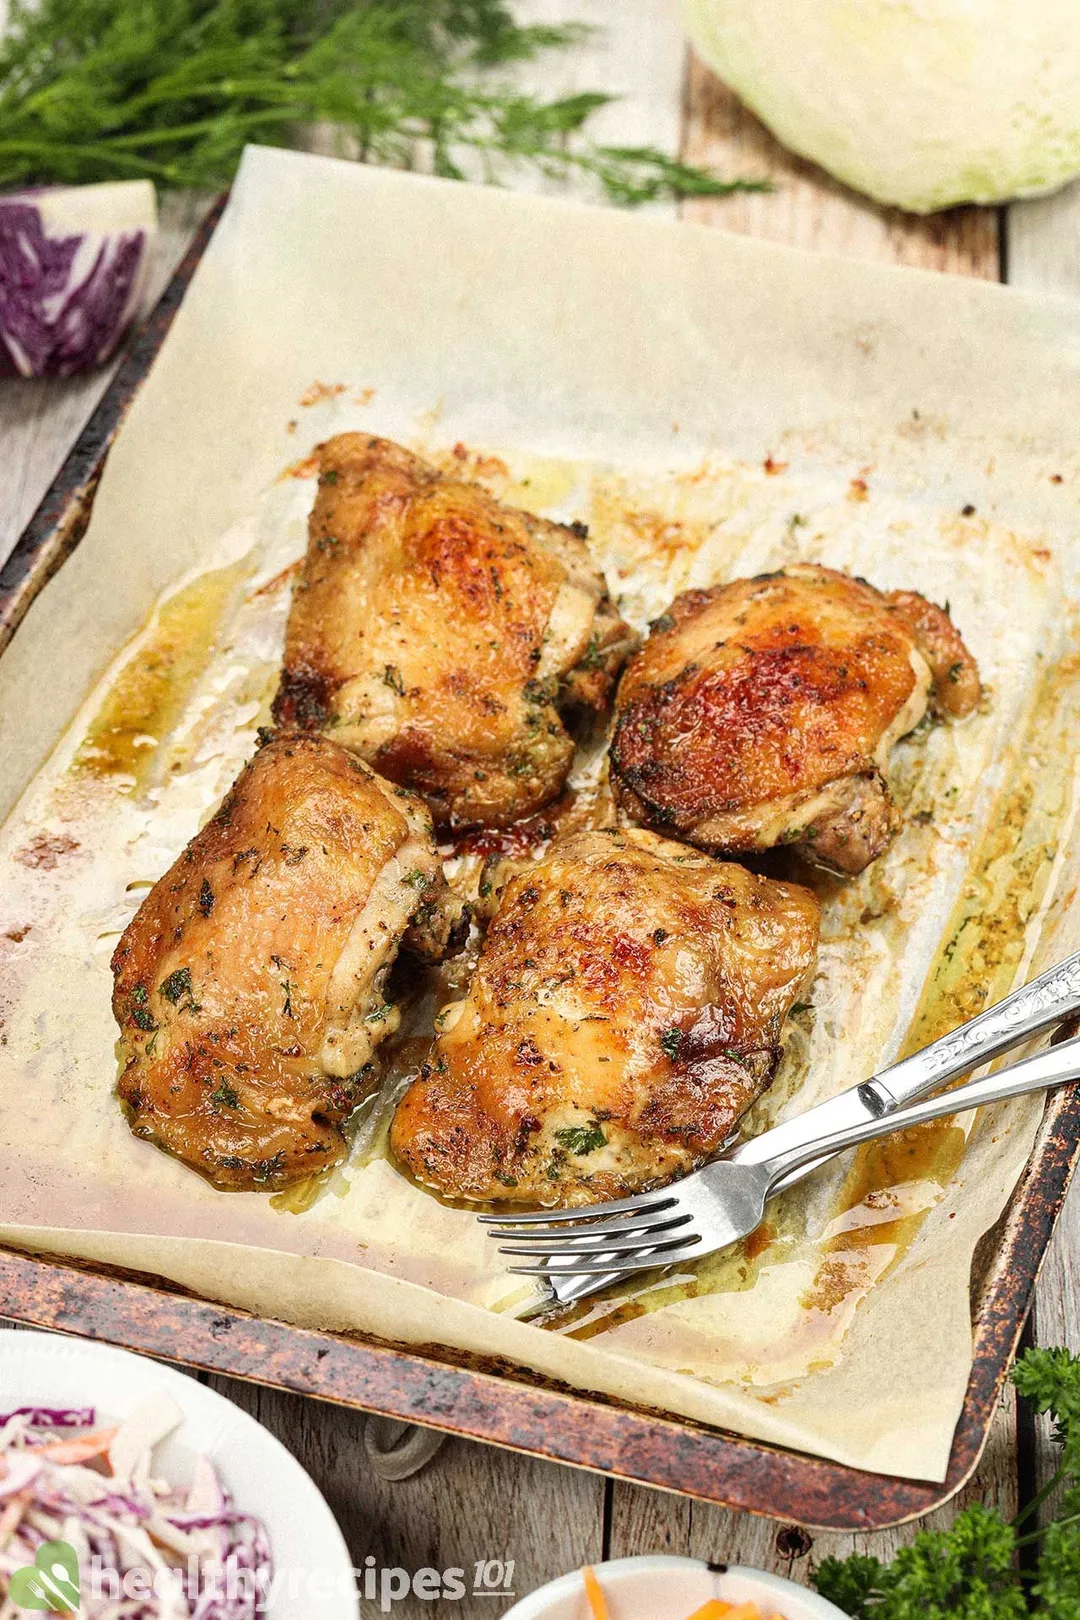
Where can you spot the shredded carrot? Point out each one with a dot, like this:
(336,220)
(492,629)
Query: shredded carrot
(86,1446)
(12,1514)
(595,1593)
(717,1609)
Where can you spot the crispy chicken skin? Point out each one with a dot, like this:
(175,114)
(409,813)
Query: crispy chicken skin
(249,986)
(440,635)
(763,712)
(625,1011)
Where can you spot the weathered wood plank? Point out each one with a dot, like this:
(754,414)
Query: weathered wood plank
(1042,244)
(472,1503)
(808,209)
(1057,1299)
(633,51)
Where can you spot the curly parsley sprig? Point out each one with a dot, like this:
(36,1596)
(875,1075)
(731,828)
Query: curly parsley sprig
(971,1571)
(171,90)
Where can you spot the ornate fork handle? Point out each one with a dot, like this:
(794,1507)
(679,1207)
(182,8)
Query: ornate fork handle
(1059,1065)
(1046,1000)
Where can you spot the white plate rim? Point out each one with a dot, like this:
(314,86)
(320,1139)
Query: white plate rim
(535,1605)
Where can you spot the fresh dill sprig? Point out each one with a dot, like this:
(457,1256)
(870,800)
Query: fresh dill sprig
(971,1571)
(171,90)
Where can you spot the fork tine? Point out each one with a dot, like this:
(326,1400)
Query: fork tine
(640,1204)
(613,1250)
(587,1242)
(615,1268)
(560,1237)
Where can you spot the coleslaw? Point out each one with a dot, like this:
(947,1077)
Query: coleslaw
(146,1549)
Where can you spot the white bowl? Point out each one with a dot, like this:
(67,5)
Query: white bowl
(309,1551)
(671,1589)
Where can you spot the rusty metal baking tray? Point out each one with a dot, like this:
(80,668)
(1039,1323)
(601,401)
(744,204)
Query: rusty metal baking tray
(466,1395)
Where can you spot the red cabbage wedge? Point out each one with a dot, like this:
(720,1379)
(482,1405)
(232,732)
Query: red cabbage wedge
(73,268)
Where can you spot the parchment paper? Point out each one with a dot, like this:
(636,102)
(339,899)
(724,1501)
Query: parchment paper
(711,406)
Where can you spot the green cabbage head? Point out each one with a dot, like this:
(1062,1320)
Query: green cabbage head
(920,103)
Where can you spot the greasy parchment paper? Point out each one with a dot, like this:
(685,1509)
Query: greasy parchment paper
(711,407)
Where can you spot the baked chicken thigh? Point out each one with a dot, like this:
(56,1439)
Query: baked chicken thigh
(626,1009)
(249,986)
(441,635)
(763,712)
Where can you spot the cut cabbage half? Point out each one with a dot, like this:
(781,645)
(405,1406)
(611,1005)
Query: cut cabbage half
(919,103)
(73,267)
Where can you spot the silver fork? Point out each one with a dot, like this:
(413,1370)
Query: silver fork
(1053,996)
(726,1200)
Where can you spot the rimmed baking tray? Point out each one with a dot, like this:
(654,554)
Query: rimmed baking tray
(465,1395)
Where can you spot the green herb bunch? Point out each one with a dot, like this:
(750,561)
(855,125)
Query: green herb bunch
(972,1571)
(172,89)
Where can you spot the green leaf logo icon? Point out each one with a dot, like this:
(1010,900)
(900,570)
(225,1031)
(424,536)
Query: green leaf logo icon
(51,1582)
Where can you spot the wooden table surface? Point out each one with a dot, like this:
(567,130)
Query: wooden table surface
(474,1502)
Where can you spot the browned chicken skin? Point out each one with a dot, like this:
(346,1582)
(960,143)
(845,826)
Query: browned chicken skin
(763,712)
(625,1011)
(440,635)
(249,984)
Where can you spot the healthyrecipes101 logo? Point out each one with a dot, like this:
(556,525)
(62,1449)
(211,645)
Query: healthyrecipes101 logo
(51,1583)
